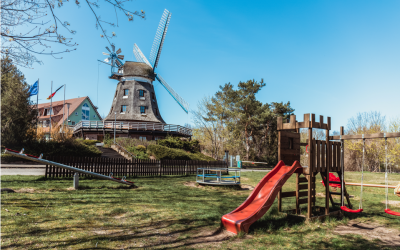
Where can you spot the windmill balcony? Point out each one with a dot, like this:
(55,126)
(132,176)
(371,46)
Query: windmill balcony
(132,126)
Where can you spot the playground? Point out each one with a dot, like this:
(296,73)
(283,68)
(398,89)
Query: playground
(164,213)
(285,207)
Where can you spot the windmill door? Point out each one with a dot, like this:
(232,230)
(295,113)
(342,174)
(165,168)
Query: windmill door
(288,147)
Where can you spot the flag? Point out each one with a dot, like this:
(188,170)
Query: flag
(50,96)
(33,90)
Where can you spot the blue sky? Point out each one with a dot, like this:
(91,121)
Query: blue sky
(331,58)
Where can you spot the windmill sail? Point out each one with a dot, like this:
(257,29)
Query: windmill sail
(159,39)
(139,55)
(184,105)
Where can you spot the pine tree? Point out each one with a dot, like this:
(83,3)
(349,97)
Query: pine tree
(18,117)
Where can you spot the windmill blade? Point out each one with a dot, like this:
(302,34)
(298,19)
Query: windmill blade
(139,55)
(121,57)
(119,51)
(184,105)
(159,39)
(108,49)
(119,64)
(113,47)
(106,54)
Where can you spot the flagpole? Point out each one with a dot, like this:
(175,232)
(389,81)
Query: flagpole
(63,111)
(51,107)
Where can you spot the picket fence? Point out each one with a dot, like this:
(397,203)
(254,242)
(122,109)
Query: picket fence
(123,167)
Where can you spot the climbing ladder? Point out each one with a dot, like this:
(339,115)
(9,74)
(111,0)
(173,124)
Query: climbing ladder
(337,193)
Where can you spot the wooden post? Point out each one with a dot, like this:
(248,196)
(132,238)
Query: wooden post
(297,194)
(279,144)
(342,167)
(328,166)
(310,168)
(280,200)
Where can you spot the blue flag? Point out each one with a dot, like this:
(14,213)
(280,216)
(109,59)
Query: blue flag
(34,89)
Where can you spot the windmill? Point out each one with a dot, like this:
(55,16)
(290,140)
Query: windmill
(135,98)
(114,58)
(155,57)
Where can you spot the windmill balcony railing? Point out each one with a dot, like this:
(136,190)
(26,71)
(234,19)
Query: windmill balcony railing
(147,126)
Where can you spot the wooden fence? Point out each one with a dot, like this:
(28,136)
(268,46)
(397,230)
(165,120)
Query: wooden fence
(124,167)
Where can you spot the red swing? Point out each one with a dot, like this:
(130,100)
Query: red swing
(387,210)
(344,208)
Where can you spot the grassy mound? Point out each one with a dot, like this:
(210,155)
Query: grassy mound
(53,148)
(164,153)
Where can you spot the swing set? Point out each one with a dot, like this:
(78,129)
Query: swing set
(324,157)
(363,137)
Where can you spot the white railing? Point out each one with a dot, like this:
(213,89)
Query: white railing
(147,126)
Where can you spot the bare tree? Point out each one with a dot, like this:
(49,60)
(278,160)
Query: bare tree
(209,128)
(33,27)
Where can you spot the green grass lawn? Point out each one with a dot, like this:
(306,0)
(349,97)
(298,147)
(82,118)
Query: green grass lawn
(164,213)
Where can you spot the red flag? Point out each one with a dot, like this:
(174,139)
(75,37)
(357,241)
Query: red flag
(50,96)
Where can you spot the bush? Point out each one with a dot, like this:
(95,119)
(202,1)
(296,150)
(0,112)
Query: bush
(141,148)
(140,154)
(54,148)
(179,143)
(164,153)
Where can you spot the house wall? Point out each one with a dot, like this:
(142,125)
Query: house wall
(77,118)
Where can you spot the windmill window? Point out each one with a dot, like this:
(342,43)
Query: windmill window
(141,93)
(123,108)
(156,111)
(142,109)
(85,112)
(126,92)
(153,97)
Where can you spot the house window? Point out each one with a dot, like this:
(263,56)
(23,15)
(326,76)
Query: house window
(94,116)
(85,112)
(72,123)
(48,112)
(123,108)
(142,138)
(142,109)
(141,93)
(76,113)
(126,92)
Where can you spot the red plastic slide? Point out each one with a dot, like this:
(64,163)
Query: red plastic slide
(260,200)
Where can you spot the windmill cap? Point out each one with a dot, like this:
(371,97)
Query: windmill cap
(138,69)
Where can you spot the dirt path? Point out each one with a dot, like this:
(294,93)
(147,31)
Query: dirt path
(388,236)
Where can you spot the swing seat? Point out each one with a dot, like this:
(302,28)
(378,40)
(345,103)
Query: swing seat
(388,211)
(346,209)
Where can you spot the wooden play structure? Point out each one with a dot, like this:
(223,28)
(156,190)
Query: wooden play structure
(324,157)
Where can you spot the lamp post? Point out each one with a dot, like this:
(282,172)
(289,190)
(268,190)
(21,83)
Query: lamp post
(115,124)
